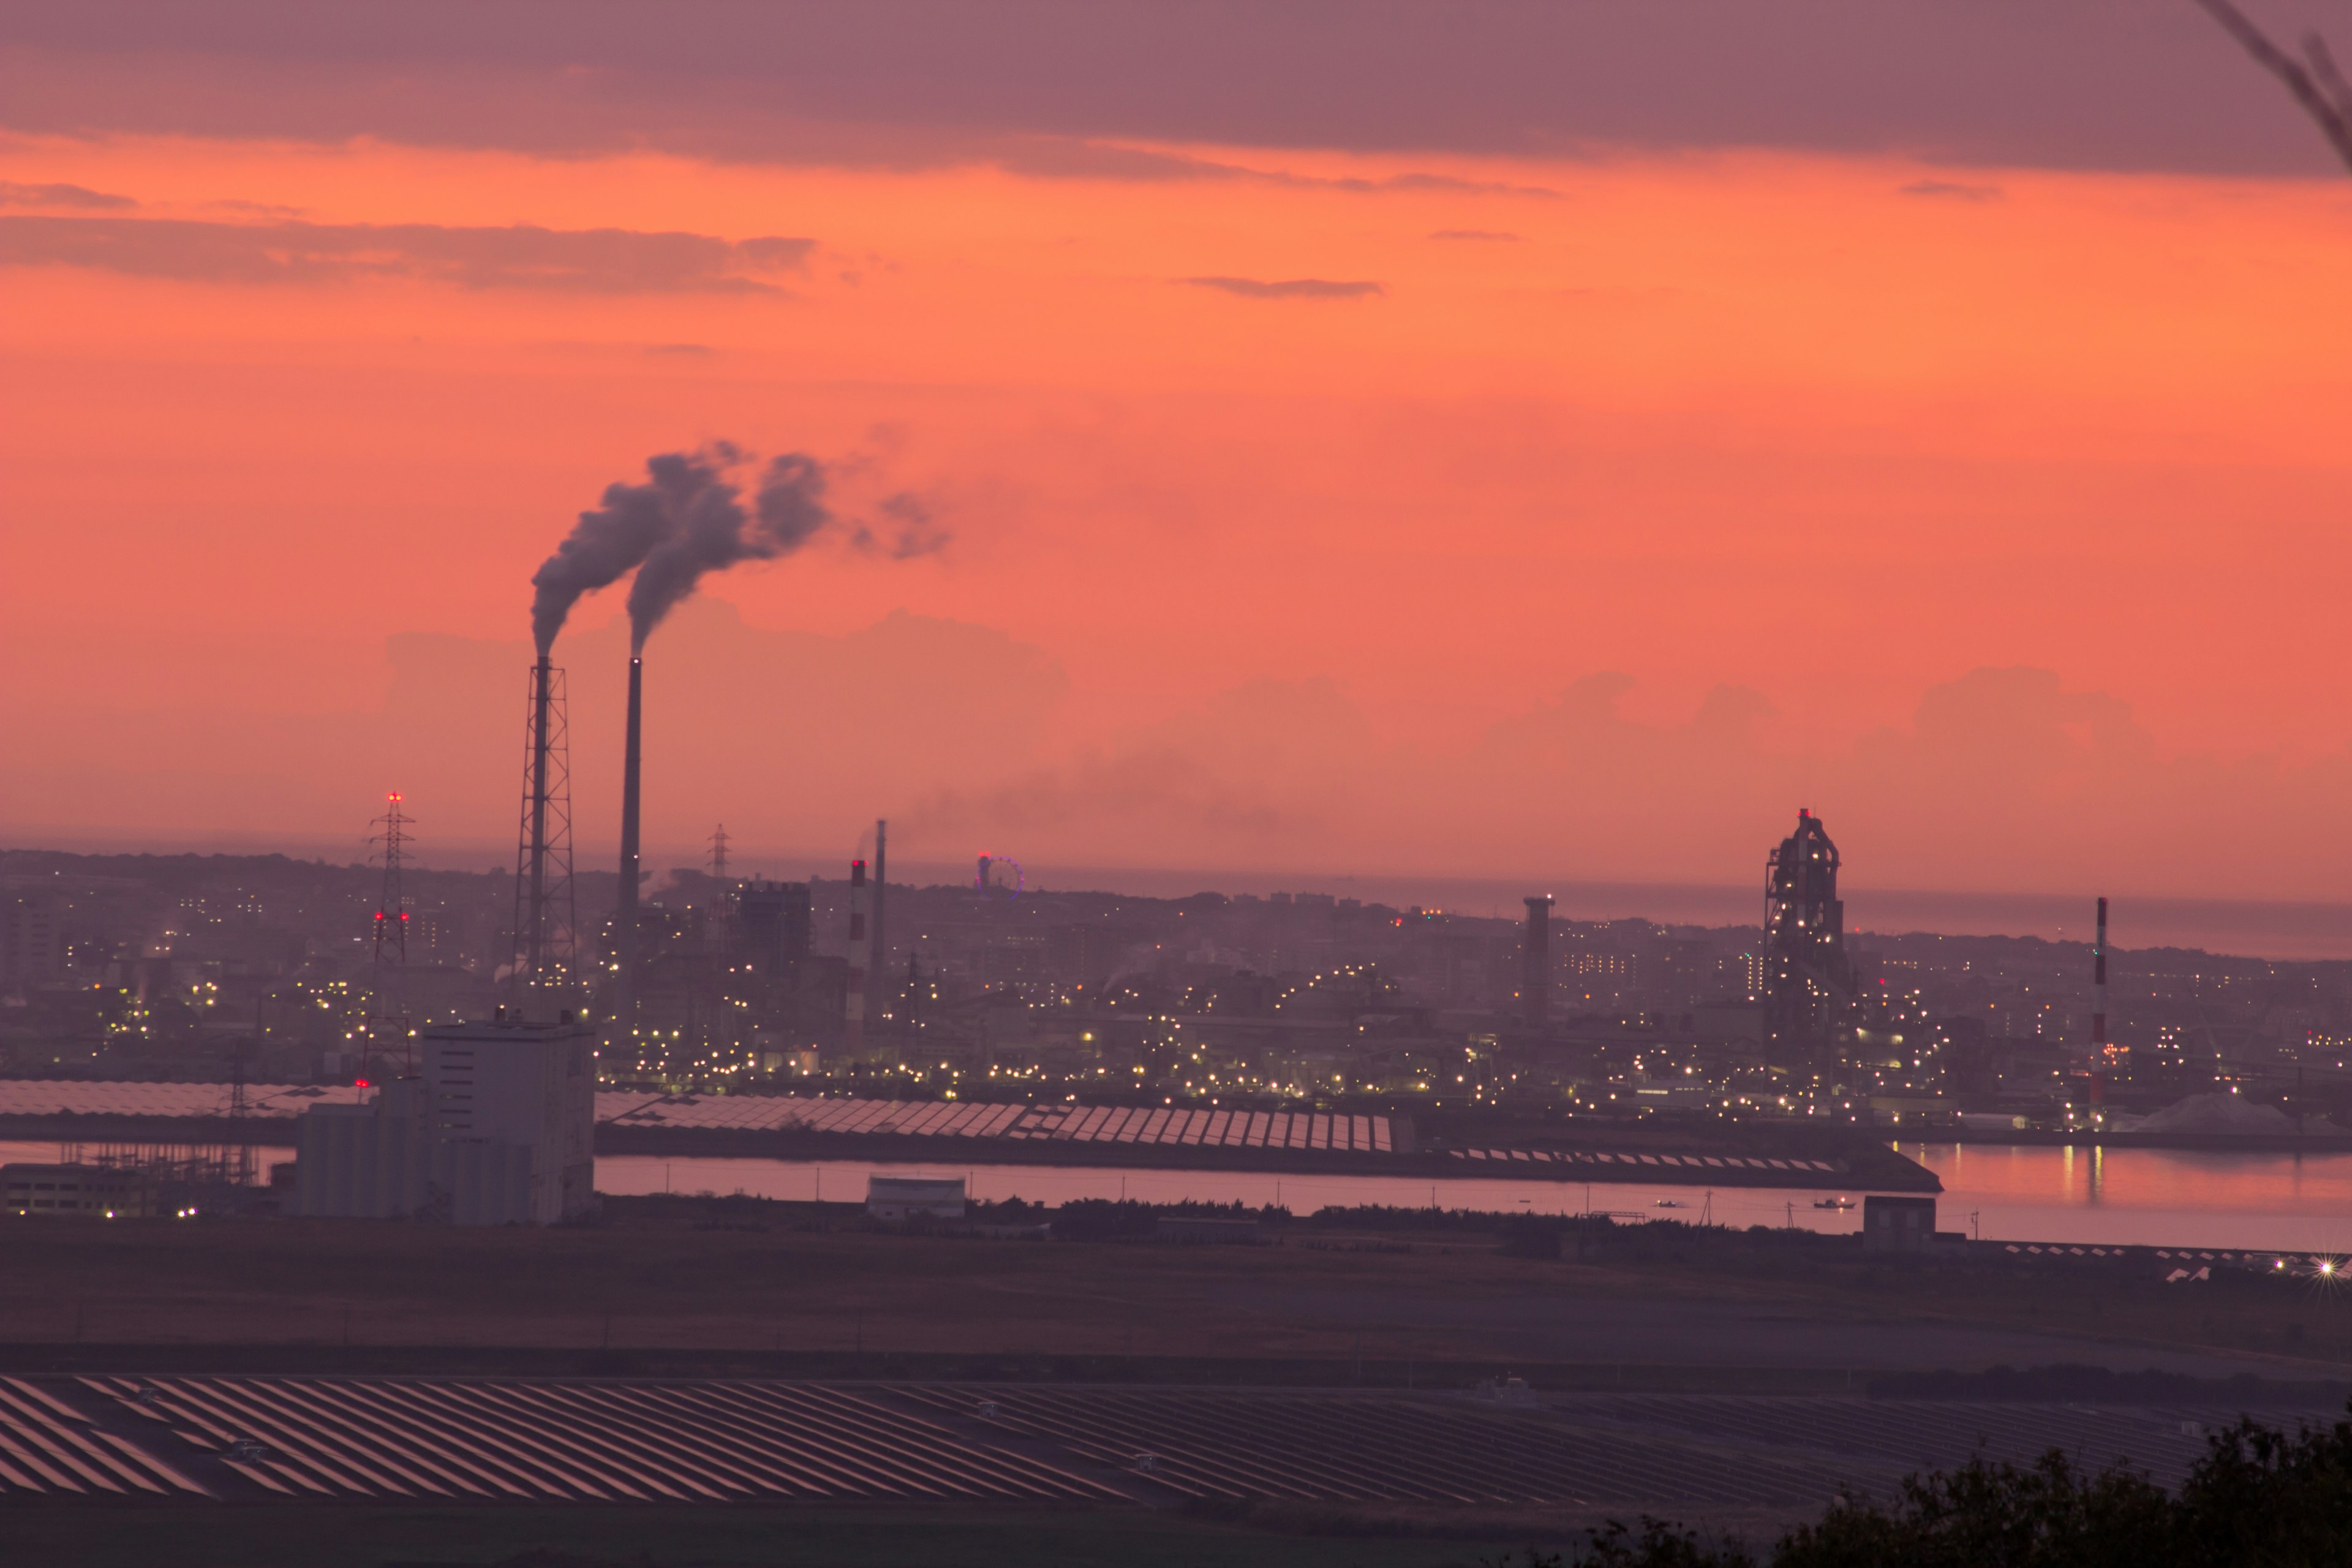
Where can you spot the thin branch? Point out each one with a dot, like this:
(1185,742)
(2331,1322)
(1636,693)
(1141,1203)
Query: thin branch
(2323,66)
(2327,106)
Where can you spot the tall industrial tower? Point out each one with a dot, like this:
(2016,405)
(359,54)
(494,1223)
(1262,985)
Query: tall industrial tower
(625,907)
(1535,964)
(878,944)
(853,997)
(2099,986)
(388,974)
(546,920)
(1806,971)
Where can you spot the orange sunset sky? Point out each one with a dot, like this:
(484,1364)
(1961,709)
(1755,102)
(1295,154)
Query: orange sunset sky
(1361,445)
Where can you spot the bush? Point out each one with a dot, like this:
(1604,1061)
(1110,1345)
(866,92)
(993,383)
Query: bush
(1531,1235)
(1101,1220)
(2260,1498)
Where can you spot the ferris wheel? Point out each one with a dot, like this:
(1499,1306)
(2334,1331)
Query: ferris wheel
(1000,881)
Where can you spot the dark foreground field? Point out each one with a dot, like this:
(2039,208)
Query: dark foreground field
(808,1288)
(1313,1400)
(744,1537)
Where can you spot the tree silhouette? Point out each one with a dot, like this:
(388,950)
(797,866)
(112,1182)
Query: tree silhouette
(2314,80)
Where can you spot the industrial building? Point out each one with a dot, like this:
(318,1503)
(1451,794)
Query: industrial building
(910,1197)
(87,1192)
(32,947)
(496,1127)
(1892,1224)
(775,921)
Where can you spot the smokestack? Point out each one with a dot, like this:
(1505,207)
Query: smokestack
(625,911)
(2099,985)
(877,944)
(854,1003)
(535,935)
(1535,964)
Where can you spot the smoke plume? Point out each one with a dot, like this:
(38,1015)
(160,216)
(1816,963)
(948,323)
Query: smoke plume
(605,545)
(689,519)
(709,532)
(907,532)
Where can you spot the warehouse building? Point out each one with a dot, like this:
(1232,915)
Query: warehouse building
(914,1198)
(87,1192)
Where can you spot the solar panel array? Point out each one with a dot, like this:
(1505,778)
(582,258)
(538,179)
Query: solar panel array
(50,1449)
(1375,1449)
(499,1440)
(1153,1125)
(87,1096)
(1659,1164)
(1161,1125)
(1899,1436)
(494,1441)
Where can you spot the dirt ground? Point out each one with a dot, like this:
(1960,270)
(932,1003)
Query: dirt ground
(793,1281)
(742,1537)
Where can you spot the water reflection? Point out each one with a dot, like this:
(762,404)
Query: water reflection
(2001,1193)
(2147,1196)
(2284,1201)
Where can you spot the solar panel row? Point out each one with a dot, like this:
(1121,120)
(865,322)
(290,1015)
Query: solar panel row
(1922,1433)
(1374,1449)
(1700,1163)
(746,1113)
(49,1447)
(494,1441)
(1160,1125)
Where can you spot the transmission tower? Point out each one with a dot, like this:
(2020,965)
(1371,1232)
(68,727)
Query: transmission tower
(719,842)
(241,1155)
(388,984)
(546,919)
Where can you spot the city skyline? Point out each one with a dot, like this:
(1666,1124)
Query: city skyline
(1179,781)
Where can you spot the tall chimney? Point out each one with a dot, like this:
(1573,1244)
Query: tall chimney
(535,935)
(625,914)
(877,944)
(1535,964)
(854,1003)
(2099,986)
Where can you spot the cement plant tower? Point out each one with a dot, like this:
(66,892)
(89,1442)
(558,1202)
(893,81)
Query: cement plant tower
(1806,974)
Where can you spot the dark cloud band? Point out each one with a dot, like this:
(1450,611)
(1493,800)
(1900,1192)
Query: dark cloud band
(592,261)
(1289,288)
(2067,83)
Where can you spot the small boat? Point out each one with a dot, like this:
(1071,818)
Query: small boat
(1667,1204)
(1833,1203)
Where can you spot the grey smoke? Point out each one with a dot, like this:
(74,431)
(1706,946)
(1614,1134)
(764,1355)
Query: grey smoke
(689,519)
(907,532)
(706,528)
(604,546)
